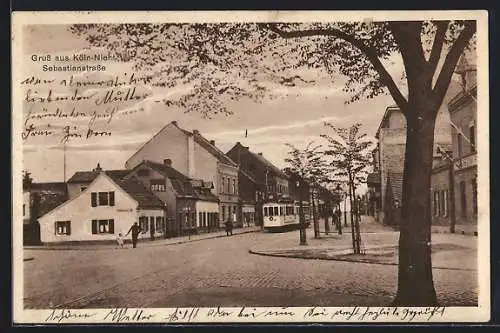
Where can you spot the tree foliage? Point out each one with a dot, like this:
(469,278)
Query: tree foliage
(349,153)
(307,163)
(229,61)
(27,179)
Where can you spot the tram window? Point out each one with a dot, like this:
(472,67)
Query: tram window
(276,211)
(265,211)
(281,210)
(271,211)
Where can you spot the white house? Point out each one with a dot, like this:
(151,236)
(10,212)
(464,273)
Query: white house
(104,209)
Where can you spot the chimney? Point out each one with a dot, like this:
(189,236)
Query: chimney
(167,162)
(174,122)
(212,142)
(98,168)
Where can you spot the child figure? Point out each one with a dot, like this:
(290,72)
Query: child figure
(119,240)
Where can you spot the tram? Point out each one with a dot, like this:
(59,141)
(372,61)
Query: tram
(283,215)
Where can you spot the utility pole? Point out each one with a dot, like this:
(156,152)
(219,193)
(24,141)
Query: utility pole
(452,195)
(302,229)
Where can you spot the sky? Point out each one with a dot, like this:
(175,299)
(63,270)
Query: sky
(294,118)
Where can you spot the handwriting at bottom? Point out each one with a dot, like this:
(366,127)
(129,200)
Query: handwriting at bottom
(58,316)
(119,315)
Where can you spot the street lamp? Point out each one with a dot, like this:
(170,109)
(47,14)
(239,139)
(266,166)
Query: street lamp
(302,230)
(338,217)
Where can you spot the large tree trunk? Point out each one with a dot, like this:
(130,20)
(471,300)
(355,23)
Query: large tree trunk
(415,283)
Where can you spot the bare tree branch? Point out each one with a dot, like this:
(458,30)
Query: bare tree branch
(437,45)
(369,52)
(451,61)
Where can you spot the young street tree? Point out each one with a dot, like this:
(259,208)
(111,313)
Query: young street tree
(350,158)
(308,165)
(224,62)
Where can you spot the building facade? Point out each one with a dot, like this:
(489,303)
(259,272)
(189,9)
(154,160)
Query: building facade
(190,205)
(457,190)
(196,157)
(103,210)
(390,155)
(262,180)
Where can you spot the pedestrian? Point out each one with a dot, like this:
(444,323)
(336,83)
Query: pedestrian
(229,227)
(136,230)
(119,240)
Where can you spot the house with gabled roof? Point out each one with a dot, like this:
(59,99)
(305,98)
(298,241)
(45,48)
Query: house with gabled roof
(105,208)
(196,157)
(191,207)
(260,168)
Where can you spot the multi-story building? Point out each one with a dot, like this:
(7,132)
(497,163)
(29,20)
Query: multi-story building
(196,157)
(259,175)
(276,182)
(454,179)
(190,206)
(390,151)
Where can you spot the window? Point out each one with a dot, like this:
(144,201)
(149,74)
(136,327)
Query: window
(152,222)
(223,213)
(281,211)
(463,199)
(204,219)
(160,225)
(222,185)
(459,144)
(472,137)
(24,209)
(143,223)
(158,185)
(105,199)
(200,218)
(271,211)
(234,186)
(474,196)
(265,211)
(436,203)
(63,228)
(445,203)
(103,226)
(228,186)
(276,211)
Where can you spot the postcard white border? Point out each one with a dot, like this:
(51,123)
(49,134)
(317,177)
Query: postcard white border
(452,314)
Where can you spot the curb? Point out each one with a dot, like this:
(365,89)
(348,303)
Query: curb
(347,260)
(105,247)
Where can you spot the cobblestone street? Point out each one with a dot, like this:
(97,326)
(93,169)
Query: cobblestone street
(218,271)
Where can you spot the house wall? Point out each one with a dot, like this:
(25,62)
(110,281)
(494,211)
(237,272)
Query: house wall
(392,145)
(440,182)
(26,207)
(467,176)
(205,207)
(150,213)
(205,166)
(80,212)
(228,206)
(170,143)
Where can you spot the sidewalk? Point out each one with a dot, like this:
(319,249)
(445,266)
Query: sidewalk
(146,242)
(379,245)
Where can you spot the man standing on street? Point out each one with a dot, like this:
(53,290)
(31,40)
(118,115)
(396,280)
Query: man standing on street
(136,230)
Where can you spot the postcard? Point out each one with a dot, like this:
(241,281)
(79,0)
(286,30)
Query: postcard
(250,167)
